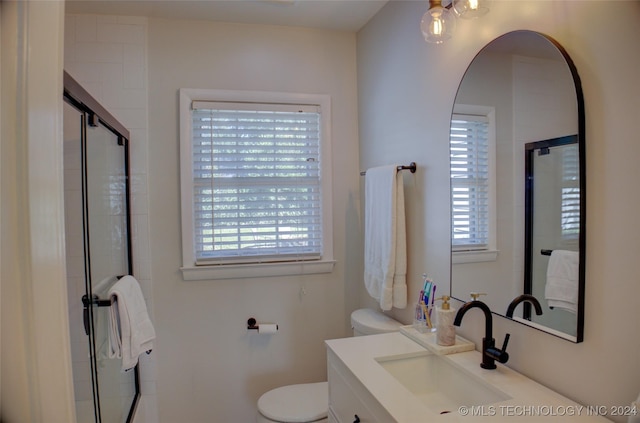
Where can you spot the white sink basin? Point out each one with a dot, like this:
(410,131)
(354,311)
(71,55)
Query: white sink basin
(438,383)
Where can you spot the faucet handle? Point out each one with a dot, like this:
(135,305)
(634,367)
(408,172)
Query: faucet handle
(506,341)
(475,295)
(500,355)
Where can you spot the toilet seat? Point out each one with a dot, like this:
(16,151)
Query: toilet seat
(301,403)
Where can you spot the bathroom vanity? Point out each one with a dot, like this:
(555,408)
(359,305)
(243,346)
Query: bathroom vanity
(392,378)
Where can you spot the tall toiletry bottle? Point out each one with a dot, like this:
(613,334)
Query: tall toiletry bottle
(445,330)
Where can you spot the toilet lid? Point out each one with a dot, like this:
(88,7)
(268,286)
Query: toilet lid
(369,322)
(305,402)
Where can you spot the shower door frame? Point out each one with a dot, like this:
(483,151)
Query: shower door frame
(96,114)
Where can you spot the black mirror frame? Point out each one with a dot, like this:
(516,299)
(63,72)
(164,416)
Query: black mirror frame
(582,172)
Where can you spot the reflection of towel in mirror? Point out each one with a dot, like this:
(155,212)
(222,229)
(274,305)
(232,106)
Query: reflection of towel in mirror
(561,289)
(130,330)
(385,244)
(634,415)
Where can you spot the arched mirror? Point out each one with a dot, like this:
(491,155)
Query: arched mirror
(517,183)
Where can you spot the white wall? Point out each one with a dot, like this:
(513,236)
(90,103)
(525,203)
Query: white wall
(400,97)
(210,368)
(415,83)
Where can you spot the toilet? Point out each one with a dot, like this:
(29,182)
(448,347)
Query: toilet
(309,402)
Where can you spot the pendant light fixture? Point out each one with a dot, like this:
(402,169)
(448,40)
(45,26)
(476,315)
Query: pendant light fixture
(439,23)
(470,9)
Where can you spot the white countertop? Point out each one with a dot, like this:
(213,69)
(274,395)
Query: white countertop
(530,401)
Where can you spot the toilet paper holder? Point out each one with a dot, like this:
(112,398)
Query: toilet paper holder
(253,324)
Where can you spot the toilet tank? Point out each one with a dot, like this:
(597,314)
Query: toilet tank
(366,321)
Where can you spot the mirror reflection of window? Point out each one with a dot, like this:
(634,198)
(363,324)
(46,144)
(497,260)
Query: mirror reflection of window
(469,182)
(570,202)
(472,167)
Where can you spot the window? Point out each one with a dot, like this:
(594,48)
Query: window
(255,184)
(472,152)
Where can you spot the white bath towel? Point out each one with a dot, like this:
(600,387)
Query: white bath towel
(561,289)
(131,332)
(385,243)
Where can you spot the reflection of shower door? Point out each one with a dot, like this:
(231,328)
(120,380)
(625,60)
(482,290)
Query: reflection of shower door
(552,220)
(98,252)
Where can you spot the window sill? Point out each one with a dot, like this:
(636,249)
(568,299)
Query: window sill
(460,257)
(260,270)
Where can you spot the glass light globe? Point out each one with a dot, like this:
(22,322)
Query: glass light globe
(470,9)
(437,24)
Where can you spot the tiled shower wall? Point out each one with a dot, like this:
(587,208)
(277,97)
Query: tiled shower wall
(107,56)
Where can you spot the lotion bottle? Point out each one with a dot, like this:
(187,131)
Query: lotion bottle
(445,330)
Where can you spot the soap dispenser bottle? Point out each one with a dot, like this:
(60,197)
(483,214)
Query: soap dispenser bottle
(445,330)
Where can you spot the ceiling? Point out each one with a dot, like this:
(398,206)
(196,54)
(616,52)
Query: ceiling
(344,15)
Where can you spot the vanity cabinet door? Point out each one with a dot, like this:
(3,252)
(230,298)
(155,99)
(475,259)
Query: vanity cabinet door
(332,416)
(349,401)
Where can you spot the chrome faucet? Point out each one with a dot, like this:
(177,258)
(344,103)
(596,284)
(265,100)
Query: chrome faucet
(524,297)
(489,351)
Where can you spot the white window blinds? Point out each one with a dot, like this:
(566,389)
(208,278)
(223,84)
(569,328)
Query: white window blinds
(570,216)
(256,178)
(469,149)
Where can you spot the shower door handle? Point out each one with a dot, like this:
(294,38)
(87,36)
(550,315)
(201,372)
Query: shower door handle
(85,313)
(85,319)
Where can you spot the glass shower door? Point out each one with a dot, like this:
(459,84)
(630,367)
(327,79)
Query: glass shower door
(108,246)
(98,241)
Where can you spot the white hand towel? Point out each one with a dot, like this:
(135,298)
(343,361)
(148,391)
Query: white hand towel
(131,332)
(385,255)
(561,289)
(634,415)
